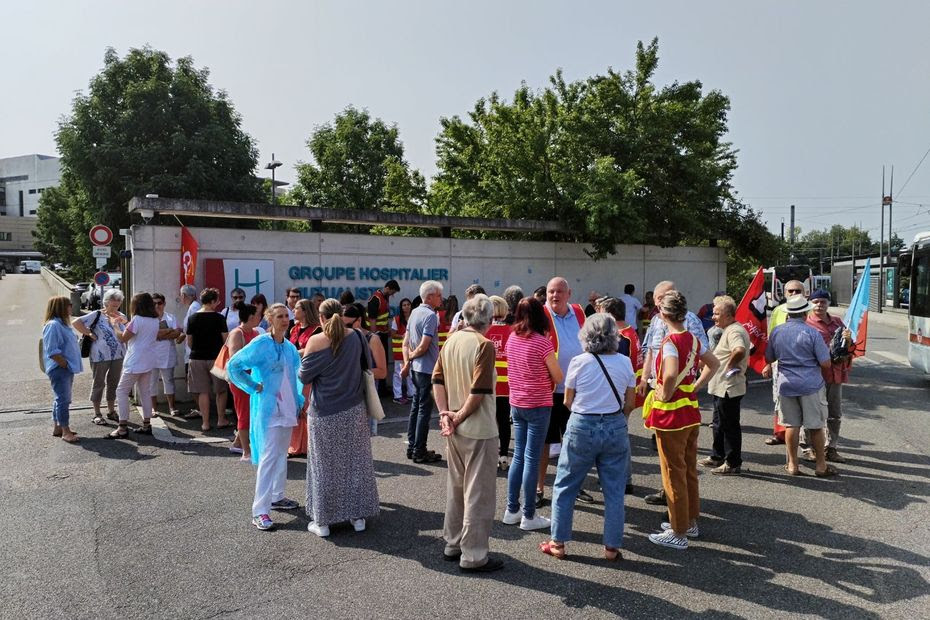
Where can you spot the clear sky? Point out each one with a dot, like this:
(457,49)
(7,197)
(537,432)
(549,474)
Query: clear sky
(823,94)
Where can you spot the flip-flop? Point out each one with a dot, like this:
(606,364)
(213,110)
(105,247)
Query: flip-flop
(795,473)
(193,414)
(556,550)
(828,472)
(99,421)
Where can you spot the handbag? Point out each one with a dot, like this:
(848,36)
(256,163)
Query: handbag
(86,340)
(219,364)
(372,400)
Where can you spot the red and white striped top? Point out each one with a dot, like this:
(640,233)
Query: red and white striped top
(528,376)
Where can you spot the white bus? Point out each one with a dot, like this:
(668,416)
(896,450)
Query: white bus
(777,277)
(915,262)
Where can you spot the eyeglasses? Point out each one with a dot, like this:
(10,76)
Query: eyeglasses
(797,291)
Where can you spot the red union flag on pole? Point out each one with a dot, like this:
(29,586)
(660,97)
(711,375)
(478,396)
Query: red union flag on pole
(752,315)
(188,257)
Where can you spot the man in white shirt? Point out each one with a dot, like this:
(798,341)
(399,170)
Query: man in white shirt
(189,296)
(633,305)
(231,312)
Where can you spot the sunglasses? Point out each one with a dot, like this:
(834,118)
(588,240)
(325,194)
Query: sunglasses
(795,290)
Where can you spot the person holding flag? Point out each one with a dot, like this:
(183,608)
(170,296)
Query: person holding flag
(793,288)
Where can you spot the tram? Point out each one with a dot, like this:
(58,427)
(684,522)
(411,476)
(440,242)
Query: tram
(915,262)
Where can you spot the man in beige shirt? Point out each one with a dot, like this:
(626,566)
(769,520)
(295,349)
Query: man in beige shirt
(463,386)
(728,386)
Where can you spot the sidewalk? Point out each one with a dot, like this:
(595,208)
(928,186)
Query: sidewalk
(892,317)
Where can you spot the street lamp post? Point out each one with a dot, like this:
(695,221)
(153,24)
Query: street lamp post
(274,163)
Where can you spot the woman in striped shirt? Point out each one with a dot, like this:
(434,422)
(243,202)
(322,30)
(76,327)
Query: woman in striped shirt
(533,372)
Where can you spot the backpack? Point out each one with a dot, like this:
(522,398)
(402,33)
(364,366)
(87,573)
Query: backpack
(839,347)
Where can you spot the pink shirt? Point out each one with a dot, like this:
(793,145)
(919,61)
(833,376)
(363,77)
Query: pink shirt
(528,376)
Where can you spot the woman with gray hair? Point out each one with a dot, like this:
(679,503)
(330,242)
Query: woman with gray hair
(599,392)
(106,352)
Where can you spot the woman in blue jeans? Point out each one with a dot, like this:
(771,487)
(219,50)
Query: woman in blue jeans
(599,391)
(532,372)
(61,356)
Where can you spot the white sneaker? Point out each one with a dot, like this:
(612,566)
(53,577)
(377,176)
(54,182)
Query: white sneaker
(502,463)
(511,518)
(358,524)
(538,522)
(692,532)
(320,530)
(669,539)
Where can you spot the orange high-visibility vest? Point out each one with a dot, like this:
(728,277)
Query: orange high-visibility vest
(681,410)
(382,321)
(553,333)
(397,341)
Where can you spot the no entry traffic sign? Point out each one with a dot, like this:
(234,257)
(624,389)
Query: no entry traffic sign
(101,235)
(101,278)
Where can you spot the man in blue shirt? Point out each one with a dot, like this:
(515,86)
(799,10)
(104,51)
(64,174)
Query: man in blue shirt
(801,353)
(421,350)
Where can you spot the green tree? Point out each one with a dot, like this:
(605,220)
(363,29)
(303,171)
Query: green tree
(358,163)
(145,126)
(615,158)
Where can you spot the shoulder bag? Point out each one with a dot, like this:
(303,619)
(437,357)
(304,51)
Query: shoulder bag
(372,400)
(610,381)
(86,340)
(219,364)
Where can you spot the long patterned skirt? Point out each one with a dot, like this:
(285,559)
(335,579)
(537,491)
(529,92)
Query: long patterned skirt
(340,471)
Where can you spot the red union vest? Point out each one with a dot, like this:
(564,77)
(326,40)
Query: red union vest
(382,321)
(553,332)
(498,334)
(397,341)
(444,327)
(681,410)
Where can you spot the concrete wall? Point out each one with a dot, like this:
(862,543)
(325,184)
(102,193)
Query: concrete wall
(699,271)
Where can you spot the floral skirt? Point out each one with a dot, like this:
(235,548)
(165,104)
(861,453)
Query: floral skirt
(340,471)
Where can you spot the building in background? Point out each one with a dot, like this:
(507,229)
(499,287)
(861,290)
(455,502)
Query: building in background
(22,181)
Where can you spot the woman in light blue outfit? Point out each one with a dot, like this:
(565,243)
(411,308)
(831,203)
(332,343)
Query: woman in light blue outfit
(61,357)
(599,391)
(275,404)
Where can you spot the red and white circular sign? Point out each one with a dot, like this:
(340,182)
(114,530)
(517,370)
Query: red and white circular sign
(101,235)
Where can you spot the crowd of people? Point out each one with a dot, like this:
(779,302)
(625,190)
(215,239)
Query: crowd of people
(538,370)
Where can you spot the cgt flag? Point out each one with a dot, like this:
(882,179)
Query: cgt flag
(752,314)
(857,315)
(188,257)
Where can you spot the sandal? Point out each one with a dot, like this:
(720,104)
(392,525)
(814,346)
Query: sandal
(99,420)
(829,471)
(56,431)
(204,429)
(774,441)
(796,472)
(193,414)
(121,432)
(145,429)
(226,425)
(174,413)
(113,416)
(612,555)
(556,550)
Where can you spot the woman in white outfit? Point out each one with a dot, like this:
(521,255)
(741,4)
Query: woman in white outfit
(139,335)
(166,353)
(275,402)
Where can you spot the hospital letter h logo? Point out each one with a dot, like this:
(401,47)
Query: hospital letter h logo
(256,284)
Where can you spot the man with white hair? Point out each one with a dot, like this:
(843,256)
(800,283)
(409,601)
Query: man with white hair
(565,321)
(189,296)
(463,384)
(420,354)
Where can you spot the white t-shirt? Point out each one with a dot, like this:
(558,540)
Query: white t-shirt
(456,318)
(165,354)
(285,414)
(592,390)
(232,318)
(633,306)
(140,350)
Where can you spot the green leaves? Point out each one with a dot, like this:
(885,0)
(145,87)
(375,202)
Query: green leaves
(144,126)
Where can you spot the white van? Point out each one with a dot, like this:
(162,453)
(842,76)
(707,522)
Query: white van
(30,266)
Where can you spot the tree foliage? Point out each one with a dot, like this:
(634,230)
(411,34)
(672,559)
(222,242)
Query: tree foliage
(145,126)
(613,157)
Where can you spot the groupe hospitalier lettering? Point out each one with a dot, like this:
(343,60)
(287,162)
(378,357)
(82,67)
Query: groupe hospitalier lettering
(378,274)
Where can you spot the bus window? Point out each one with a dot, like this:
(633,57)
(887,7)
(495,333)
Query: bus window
(920,284)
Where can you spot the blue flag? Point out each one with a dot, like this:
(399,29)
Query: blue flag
(859,305)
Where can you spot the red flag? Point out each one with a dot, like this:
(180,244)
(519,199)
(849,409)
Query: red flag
(752,314)
(862,336)
(188,257)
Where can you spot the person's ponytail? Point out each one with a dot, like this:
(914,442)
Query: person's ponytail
(333,327)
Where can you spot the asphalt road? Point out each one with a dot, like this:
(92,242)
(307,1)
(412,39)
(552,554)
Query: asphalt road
(149,529)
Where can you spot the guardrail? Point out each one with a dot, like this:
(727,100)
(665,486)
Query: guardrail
(62,287)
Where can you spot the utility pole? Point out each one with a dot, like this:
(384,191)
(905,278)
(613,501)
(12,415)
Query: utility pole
(791,231)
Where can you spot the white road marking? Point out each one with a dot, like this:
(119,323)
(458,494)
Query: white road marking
(894,357)
(14,321)
(161,432)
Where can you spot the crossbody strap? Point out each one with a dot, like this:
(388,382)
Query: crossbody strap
(609,380)
(95,321)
